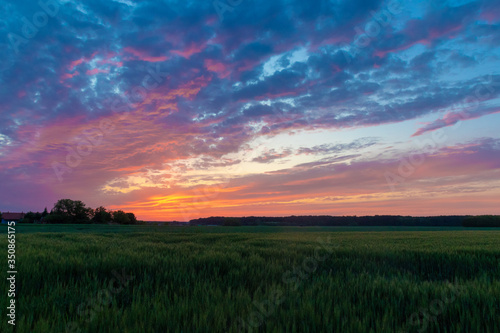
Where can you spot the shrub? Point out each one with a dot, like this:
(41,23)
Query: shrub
(101,216)
(121,217)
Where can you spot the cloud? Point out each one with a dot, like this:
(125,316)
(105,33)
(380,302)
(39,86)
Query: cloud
(457,175)
(272,155)
(451,118)
(339,148)
(325,149)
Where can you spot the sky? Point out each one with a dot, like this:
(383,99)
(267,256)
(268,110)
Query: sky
(176,110)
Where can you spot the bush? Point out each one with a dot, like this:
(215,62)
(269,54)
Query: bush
(55,219)
(101,216)
(121,217)
(132,218)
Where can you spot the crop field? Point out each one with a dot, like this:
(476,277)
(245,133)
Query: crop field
(254,279)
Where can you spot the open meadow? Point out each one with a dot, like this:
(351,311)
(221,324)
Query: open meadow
(255,279)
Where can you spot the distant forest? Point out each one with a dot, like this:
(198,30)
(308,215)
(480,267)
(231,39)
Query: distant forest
(377,220)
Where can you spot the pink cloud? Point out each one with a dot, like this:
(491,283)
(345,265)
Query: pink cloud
(66,76)
(75,63)
(106,59)
(109,60)
(450,119)
(449,31)
(217,67)
(212,19)
(491,15)
(276,95)
(96,71)
(420,34)
(78,62)
(383,53)
(190,50)
(138,54)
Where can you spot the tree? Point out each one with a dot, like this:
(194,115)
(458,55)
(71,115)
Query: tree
(482,221)
(38,217)
(121,217)
(231,222)
(55,219)
(72,211)
(29,217)
(101,215)
(45,213)
(132,218)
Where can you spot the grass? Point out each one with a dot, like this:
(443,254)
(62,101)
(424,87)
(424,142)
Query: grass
(266,279)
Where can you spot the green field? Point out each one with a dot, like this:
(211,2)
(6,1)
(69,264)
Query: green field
(254,279)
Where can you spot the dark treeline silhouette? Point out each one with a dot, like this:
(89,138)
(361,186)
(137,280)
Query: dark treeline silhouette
(377,220)
(482,221)
(67,211)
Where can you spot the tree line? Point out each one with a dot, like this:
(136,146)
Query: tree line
(482,221)
(67,211)
(377,220)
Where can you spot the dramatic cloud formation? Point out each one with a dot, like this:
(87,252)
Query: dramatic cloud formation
(179,110)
